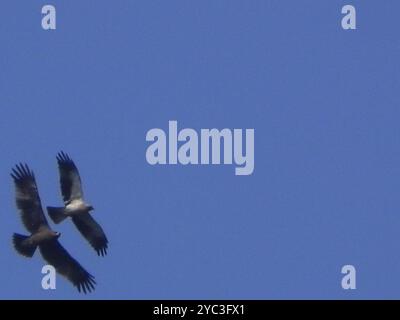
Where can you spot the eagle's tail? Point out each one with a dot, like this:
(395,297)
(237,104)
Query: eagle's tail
(57,214)
(22,246)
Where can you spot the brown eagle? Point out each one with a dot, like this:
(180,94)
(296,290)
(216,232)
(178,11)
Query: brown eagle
(75,206)
(30,207)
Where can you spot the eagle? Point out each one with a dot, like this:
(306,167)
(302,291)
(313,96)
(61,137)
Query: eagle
(29,205)
(75,207)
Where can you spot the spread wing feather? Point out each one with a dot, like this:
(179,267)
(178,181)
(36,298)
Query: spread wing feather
(55,254)
(27,198)
(70,180)
(92,232)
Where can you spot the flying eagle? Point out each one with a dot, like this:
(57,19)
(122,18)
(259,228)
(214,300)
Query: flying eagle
(75,207)
(30,207)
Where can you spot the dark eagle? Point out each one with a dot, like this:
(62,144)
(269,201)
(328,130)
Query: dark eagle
(30,207)
(75,207)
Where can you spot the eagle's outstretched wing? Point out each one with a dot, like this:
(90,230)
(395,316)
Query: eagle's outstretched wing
(54,253)
(27,198)
(71,186)
(92,232)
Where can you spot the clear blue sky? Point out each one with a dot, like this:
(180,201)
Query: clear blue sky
(325,107)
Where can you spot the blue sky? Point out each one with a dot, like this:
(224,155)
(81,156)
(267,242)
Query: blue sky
(324,104)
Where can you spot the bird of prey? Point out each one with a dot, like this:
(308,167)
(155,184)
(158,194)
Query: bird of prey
(30,207)
(75,206)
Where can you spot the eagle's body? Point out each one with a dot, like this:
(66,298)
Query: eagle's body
(42,237)
(77,207)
